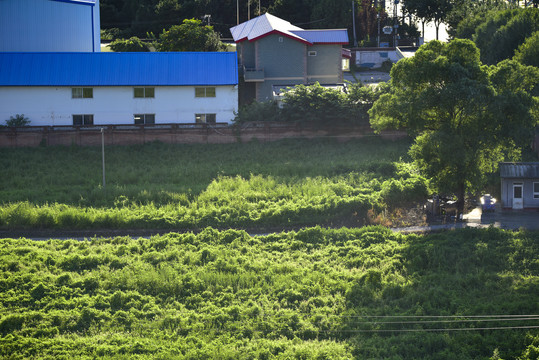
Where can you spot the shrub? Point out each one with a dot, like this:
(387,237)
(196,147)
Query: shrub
(18,120)
(133,44)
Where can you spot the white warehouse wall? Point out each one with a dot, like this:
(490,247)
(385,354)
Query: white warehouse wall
(115,105)
(49,26)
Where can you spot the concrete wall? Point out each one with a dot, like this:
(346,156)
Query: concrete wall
(375,58)
(326,66)
(527,193)
(246,54)
(115,105)
(49,26)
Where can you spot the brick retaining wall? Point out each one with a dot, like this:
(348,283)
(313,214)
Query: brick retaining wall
(32,136)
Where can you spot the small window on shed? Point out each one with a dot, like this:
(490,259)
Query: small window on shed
(312,53)
(536,190)
(280,39)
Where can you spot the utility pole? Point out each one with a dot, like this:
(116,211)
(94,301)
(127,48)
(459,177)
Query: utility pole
(238,12)
(396,24)
(354,22)
(378,18)
(103,153)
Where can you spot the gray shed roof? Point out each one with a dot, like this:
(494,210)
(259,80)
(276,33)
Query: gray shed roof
(523,170)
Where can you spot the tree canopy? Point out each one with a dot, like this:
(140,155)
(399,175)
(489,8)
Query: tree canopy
(465,117)
(528,52)
(499,36)
(191,35)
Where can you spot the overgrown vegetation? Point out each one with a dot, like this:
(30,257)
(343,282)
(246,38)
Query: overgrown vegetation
(316,104)
(284,184)
(313,294)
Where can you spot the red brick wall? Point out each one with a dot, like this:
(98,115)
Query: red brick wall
(177,134)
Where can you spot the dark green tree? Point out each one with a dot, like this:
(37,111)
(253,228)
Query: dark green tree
(500,36)
(465,117)
(528,52)
(191,35)
(467,15)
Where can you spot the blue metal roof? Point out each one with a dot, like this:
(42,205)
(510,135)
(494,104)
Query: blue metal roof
(118,69)
(330,36)
(85,2)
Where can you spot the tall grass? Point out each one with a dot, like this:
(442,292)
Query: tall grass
(287,183)
(309,294)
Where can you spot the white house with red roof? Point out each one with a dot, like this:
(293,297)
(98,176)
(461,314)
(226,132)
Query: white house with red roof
(273,54)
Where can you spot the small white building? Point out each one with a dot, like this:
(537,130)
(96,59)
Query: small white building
(119,88)
(520,185)
(49,25)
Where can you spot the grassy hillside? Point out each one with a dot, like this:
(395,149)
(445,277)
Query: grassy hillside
(286,184)
(313,294)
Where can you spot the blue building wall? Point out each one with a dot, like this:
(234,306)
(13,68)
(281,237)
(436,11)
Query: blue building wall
(49,26)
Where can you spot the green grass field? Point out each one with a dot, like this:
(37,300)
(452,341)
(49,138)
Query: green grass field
(255,185)
(313,294)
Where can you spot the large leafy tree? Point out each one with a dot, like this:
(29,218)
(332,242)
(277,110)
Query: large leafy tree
(191,35)
(465,117)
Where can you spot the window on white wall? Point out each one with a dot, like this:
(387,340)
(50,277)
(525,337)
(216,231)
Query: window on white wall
(144,118)
(205,118)
(83,119)
(205,91)
(312,53)
(144,92)
(82,93)
(536,190)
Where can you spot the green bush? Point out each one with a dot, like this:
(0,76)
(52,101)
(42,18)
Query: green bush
(133,44)
(18,120)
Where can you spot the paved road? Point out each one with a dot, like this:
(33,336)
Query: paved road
(503,219)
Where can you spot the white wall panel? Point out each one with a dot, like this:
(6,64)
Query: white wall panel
(114,105)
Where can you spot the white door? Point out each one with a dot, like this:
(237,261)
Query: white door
(518,203)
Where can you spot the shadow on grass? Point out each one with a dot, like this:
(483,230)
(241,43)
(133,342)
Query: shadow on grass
(440,290)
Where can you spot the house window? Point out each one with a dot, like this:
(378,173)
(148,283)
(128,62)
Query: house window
(205,92)
(83,119)
(144,118)
(312,53)
(280,39)
(82,93)
(536,190)
(205,118)
(144,92)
